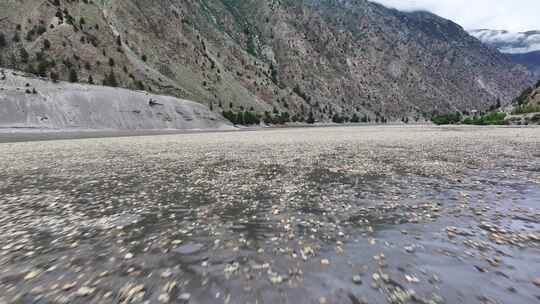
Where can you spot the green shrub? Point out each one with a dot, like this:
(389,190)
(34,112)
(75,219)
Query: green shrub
(42,68)
(298,91)
(492,118)
(522,99)
(54,76)
(338,119)
(311,118)
(46,44)
(448,119)
(525,109)
(73,77)
(110,80)
(24,55)
(242,118)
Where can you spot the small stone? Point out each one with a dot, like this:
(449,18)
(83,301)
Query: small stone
(325,262)
(536,282)
(189,249)
(480,268)
(411,279)
(36,291)
(128,256)
(85,291)
(68,286)
(322,300)
(31,275)
(409,249)
(276,279)
(164,298)
(184,297)
(166,274)
(357,280)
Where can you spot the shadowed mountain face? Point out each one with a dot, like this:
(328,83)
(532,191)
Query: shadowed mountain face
(530,60)
(523,48)
(320,56)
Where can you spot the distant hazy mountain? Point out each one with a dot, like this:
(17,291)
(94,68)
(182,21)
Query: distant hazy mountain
(523,48)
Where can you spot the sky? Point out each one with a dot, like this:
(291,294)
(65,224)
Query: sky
(511,15)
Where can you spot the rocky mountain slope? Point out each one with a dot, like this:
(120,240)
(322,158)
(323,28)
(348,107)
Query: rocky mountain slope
(530,60)
(523,48)
(530,96)
(30,102)
(324,57)
(534,97)
(525,109)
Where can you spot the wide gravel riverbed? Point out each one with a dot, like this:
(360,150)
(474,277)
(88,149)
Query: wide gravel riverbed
(306,215)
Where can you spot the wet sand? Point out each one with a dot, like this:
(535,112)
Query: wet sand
(314,215)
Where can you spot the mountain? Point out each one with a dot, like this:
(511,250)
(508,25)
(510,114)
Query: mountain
(523,48)
(525,109)
(324,57)
(530,97)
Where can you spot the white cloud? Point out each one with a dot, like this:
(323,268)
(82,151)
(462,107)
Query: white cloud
(510,42)
(512,15)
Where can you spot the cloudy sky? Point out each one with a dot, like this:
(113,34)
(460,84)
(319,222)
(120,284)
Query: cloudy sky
(512,15)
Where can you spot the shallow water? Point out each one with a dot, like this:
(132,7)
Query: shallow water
(419,215)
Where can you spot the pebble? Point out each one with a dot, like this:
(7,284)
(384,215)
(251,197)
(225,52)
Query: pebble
(184,297)
(164,298)
(536,282)
(68,286)
(128,256)
(166,274)
(411,279)
(85,291)
(409,249)
(190,248)
(276,279)
(357,279)
(31,275)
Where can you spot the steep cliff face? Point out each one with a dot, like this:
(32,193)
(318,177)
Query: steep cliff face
(322,56)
